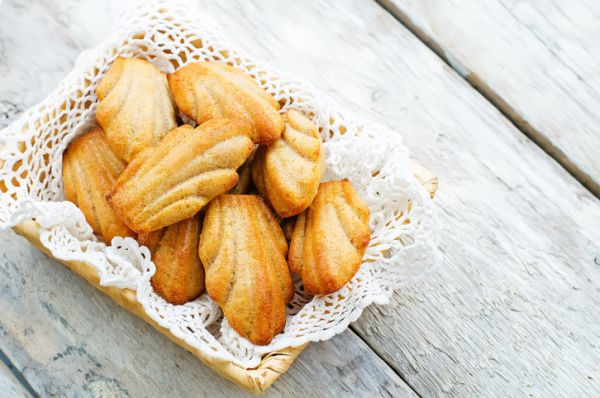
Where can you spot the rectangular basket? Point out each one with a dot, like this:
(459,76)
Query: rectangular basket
(256,380)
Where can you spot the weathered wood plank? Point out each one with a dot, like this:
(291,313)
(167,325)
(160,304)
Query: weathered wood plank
(9,385)
(70,340)
(511,311)
(535,60)
(67,338)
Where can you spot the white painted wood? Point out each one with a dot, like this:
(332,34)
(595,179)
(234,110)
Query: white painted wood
(68,339)
(9,385)
(538,60)
(511,311)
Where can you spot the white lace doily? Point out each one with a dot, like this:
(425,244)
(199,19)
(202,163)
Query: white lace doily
(371,156)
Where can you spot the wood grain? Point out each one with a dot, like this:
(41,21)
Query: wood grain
(65,345)
(68,339)
(535,60)
(9,385)
(511,310)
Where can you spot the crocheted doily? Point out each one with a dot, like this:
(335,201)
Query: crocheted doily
(403,221)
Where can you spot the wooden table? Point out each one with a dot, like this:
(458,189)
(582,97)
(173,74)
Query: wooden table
(499,98)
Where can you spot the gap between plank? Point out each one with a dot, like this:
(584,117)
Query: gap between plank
(496,100)
(19,376)
(388,363)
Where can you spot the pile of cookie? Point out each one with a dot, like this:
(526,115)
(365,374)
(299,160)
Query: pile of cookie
(210,202)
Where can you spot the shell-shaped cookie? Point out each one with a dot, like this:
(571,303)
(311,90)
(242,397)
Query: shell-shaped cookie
(187,169)
(288,171)
(135,109)
(205,90)
(179,276)
(330,238)
(90,169)
(244,184)
(243,252)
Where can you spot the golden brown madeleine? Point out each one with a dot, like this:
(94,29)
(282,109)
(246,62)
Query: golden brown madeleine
(179,276)
(187,169)
(205,90)
(90,169)
(244,184)
(243,252)
(135,109)
(288,171)
(330,238)
(287,225)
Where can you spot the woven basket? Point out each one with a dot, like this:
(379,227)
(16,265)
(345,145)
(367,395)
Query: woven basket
(30,182)
(256,380)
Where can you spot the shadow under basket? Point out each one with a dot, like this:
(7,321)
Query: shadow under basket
(256,380)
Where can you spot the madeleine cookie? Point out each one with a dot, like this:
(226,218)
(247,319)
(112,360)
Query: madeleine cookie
(179,276)
(135,109)
(90,169)
(288,171)
(243,252)
(330,238)
(187,169)
(244,184)
(205,90)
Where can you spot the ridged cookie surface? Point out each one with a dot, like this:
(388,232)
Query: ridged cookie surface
(243,252)
(135,109)
(205,90)
(179,276)
(187,169)
(330,238)
(90,168)
(288,171)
